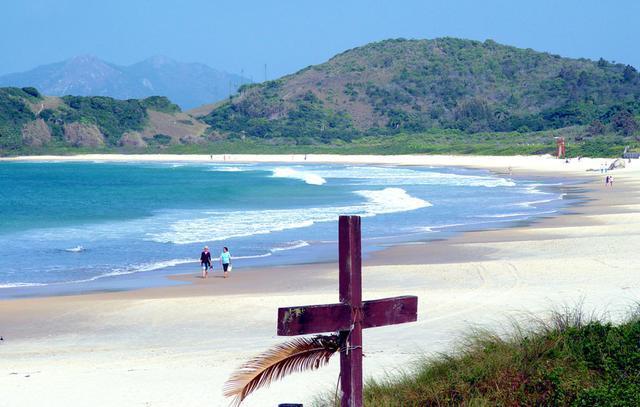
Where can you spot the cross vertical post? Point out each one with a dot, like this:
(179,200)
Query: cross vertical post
(351,315)
(350,282)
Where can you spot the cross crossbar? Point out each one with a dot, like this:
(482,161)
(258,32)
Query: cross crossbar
(313,319)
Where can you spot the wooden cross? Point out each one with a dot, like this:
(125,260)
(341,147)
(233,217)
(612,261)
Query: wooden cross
(350,315)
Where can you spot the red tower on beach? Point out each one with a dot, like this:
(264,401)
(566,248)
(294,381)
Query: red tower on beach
(561,147)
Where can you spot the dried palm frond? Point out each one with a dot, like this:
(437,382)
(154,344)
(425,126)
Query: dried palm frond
(294,356)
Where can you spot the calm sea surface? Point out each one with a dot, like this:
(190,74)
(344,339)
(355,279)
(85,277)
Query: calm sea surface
(69,227)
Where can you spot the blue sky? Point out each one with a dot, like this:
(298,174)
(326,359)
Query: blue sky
(288,35)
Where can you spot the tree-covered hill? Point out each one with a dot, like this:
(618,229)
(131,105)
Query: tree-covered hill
(29,120)
(419,85)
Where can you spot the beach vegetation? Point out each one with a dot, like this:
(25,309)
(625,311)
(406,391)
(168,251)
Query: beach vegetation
(569,361)
(433,142)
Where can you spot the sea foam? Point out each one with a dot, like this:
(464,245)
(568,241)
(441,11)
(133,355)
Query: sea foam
(291,246)
(388,176)
(390,200)
(15,285)
(136,268)
(515,214)
(228,168)
(309,177)
(76,249)
(234,224)
(385,176)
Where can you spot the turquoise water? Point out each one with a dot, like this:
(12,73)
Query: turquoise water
(85,226)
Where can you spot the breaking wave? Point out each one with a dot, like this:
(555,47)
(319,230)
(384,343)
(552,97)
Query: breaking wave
(234,224)
(309,177)
(515,214)
(292,246)
(14,285)
(227,168)
(406,176)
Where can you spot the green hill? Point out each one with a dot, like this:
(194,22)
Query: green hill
(415,86)
(31,122)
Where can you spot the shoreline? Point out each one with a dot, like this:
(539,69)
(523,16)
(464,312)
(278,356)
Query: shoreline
(164,280)
(398,254)
(540,164)
(185,340)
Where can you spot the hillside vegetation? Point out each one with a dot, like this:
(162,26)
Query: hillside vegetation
(568,362)
(30,121)
(397,96)
(414,86)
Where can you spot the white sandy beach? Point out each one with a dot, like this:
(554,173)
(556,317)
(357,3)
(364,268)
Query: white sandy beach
(540,164)
(176,346)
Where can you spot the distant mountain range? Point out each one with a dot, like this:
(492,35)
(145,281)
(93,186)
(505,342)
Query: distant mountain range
(187,84)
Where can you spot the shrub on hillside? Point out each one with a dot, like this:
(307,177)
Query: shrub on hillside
(32,91)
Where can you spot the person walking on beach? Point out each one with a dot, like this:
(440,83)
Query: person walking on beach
(225,260)
(606,181)
(205,261)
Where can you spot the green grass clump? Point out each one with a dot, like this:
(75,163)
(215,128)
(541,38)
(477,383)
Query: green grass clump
(568,362)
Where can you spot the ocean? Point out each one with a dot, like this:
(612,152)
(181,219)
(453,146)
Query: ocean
(68,227)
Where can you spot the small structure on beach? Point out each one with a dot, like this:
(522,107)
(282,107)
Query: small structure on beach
(346,319)
(630,154)
(617,163)
(561,147)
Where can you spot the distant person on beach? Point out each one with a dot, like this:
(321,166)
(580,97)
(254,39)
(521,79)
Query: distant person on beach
(205,261)
(225,260)
(606,181)
(610,180)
